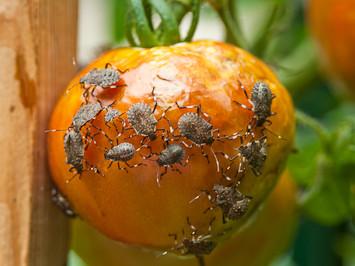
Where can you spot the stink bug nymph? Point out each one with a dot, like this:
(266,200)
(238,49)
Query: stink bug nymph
(122,152)
(62,203)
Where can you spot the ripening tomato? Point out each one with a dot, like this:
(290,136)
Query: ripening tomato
(266,237)
(130,206)
(332,23)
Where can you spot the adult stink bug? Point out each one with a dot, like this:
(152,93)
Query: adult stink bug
(229,199)
(260,101)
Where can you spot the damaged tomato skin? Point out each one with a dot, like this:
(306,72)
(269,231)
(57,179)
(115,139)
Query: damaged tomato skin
(131,207)
(258,244)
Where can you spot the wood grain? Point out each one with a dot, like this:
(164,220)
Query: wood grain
(37,47)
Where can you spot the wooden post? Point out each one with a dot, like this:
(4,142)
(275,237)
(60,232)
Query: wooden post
(37,47)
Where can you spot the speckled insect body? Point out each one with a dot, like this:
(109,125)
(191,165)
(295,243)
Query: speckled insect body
(74,150)
(232,202)
(85,114)
(261,97)
(255,154)
(103,78)
(195,128)
(197,244)
(171,155)
(260,101)
(62,203)
(142,119)
(111,115)
(122,152)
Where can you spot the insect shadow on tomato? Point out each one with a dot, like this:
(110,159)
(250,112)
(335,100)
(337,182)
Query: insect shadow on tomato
(105,78)
(143,121)
(229,199)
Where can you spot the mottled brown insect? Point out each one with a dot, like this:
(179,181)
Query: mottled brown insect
(171,155)
(122,152)
(197,244)
(74,150)
(253,154)
(85,114)
(108,77)
(260,101)
(62,203)
(200,132)
(142,119)
(229,199)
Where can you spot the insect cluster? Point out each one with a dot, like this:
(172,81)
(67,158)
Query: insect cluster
(193,131)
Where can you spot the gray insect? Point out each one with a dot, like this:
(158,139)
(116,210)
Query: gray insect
(111,115)
(197,244)
(62,203)
(254,154)
(142,119)
(171,155)
(74,150)
(196,129)
(260,101)
(85,114)
(122,152)
(229,199)
(105,78)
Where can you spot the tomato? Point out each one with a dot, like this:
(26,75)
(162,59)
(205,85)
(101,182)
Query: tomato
(130,206)
(332,23)
(267,236)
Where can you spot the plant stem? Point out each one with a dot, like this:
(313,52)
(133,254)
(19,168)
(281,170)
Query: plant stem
(316,126)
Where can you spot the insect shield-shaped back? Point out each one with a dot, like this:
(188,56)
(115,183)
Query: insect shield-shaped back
(122,152)
(174,153)
(142,120)
(74,149)
(103,78)
(195,128)
(232,202)
(85,114)
(255,152)
(261,97)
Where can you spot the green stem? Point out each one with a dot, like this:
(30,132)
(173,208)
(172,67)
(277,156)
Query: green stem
(170,29)
(145,34)
(196,4)
(317,127)
(232,24)
(139,21)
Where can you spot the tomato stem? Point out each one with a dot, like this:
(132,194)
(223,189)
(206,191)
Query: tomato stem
(140,30)
(316,126)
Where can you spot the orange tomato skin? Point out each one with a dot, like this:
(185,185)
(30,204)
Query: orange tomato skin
(131,207)
(265,237)
(332,23)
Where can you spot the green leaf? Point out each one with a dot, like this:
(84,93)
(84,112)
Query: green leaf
(328,199)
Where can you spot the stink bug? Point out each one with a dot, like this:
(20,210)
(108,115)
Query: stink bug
(254,153)
(122,152)
(229,199)
(142,119)
(260,101)
(197,244)
(62,203)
